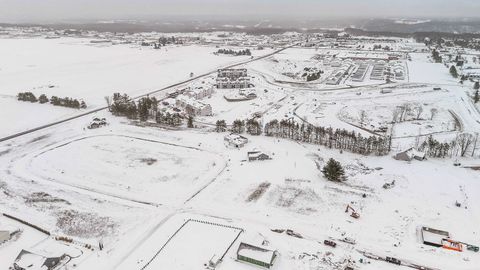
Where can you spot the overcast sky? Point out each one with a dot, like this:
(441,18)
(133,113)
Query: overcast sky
(57,10)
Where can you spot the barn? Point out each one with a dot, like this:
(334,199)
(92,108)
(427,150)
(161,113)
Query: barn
(256,255)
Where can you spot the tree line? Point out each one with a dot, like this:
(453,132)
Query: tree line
(236,53)
(54,100)
(463,144)
(332,138)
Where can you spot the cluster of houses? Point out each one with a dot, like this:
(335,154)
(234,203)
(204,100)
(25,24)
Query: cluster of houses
(97,123)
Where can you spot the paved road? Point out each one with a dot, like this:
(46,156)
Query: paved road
(19,134)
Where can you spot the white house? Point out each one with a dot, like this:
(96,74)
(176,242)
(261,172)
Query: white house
(233,83)
(233,73)
(236,140)
(199,92)
(192,106)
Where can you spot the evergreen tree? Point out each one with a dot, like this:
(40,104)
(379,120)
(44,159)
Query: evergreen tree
(190,122)
(476,85)
(333,171)
(43,99)
(453,71)
(221,126)
(476,97)
(238,126)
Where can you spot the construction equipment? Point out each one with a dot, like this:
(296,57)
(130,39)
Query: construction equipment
(393,260)
(354,213)
(452,245)
(329,243)
(470,247)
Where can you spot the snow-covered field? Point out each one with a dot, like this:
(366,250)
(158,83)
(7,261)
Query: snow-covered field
(76,68)
(174,198)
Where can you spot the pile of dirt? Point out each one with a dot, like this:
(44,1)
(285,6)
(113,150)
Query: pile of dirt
(42,197)
(258,192)
(85,225)
(148,161)
(289,196)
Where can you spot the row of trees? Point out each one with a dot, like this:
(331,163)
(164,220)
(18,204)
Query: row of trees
(476,96)
(236,53)
(338,138)
(464,143)
(54,100)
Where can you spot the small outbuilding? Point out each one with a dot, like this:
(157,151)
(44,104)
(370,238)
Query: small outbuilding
(256,255)
(4,236)
(409,155)
(257,155)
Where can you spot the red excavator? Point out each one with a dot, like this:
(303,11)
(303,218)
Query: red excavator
(354,213)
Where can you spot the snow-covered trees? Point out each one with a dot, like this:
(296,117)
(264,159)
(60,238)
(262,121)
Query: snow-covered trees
(190,122)
(434,148)
(338,138)
(253,127)
(333,171)
(453,72)
(122,105)
(476,96)
(43,99)
(27,96)
(169,119)
(436,56)
(221,126)
(54,100)
(238,126)
(464,143)
(236,53)
(145,104)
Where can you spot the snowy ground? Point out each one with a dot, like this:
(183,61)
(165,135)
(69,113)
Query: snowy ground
(76,68)
(134,186)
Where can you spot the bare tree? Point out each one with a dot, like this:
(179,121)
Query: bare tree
(419,111)
(108,99)
(395,114)
(363,116)
(464,141)
(433,112)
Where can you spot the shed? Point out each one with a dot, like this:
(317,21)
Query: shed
(409,155)
(434,237)
(257,155)
(4,236)
(256,255)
